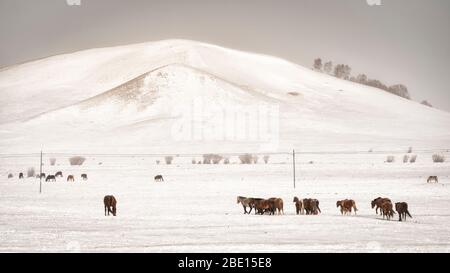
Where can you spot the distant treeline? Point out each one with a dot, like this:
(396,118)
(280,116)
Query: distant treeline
(343,71)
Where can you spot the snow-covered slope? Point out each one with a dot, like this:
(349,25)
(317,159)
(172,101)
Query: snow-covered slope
(142,97)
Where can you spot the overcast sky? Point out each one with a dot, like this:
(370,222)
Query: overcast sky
(399,41)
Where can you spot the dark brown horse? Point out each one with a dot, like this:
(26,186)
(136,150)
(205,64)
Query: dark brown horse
(110,204)
(70,178)
(159,178)
(402,210)
(20,175)
(59,174)
(84,176)
(51,178)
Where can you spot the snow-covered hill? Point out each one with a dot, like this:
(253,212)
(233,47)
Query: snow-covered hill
(171,96)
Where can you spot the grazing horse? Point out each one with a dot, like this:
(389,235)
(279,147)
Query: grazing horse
(346,206)
(432,179)
(70,178)
(50,178)
(311,206)
(10,176)
(110,204)
(84,176)
(402,209)
(262,206)
(159,178)
(276,204)
(20,175)
(377,202)
(246,202)
(298,205)
(59,174)
(42,175)
(386,210)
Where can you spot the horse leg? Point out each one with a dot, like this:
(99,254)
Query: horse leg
(245,210)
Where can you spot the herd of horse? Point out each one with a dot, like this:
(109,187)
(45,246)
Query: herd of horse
(273,205)
(52,177)
(310,206)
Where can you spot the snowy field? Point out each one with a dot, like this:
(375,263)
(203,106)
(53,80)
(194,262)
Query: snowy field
(195,210)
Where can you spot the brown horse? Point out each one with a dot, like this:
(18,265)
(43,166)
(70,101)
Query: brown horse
(70,178)
(262,206)
(276,205)
(432,179)
(58,174)
(298,205)
(84,176)
(20,175)
(387,210)
(311,206)
(377,202)
(110,204)
(346,206)
(402,210)
(159,178)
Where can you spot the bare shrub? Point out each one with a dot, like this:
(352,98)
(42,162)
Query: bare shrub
(199,162)
(413,159)
(246,158)
(31,172)
(410,149)
(214,158)
(438,158)
(207,158)
(193,161)
(405,158)
(390,159)
(76,160)
(266,159)
(255,159)
(168,159)
(158,161)
(226,160)
(52,161)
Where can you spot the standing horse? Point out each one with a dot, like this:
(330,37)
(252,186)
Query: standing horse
(246,203)
(298,205)
(110,204)
(159,178)
(402,210)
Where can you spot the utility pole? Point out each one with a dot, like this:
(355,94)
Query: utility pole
(293,164)
(40,175)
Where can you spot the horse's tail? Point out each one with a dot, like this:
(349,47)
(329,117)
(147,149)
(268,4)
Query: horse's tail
(407,212)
